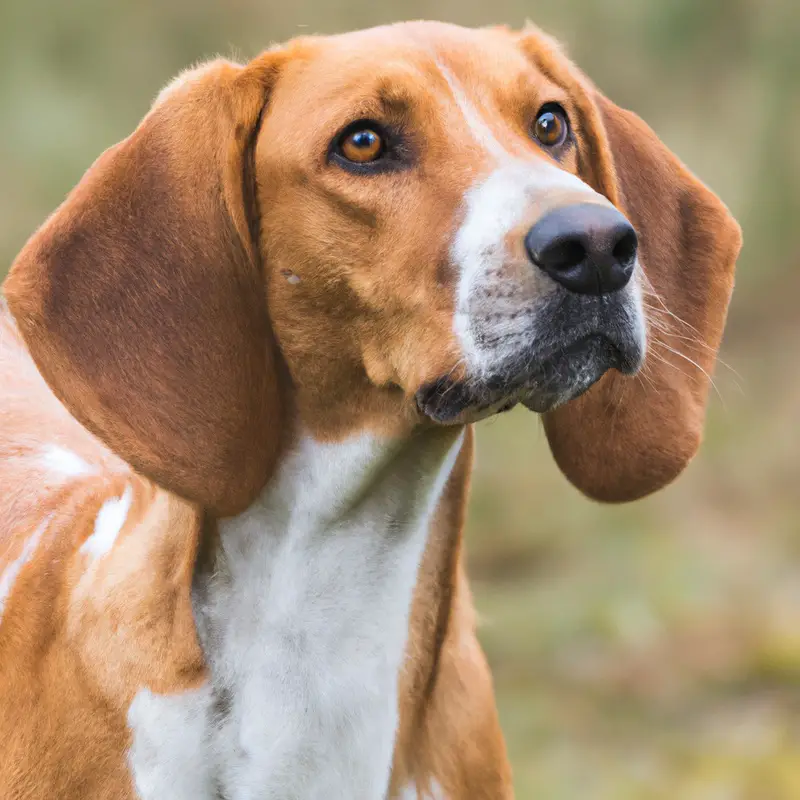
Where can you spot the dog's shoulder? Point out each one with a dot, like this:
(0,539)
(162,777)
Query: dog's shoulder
(100,552)
(44,452)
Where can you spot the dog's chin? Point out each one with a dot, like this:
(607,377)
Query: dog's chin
(541,384)
(572,372)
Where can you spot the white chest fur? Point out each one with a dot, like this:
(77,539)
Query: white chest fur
(304,625)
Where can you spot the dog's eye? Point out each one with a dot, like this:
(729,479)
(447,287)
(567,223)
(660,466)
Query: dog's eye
(362,145)
(367,147)
(551,126)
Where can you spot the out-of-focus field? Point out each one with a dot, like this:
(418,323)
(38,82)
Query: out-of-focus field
(647,651)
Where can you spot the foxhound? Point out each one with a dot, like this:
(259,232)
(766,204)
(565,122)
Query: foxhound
(239,370)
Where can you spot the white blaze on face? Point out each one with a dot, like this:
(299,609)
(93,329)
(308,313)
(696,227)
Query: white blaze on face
(499,290)
(494,208)
(518,189)
(479,128)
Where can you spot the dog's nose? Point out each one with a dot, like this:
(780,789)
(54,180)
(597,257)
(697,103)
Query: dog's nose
(587,248)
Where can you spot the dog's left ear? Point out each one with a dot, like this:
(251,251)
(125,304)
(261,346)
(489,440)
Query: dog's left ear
(629,436)
(142,298)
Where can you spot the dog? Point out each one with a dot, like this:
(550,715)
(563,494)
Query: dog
(240,368)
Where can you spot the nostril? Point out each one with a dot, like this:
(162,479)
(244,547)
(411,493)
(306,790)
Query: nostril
(564,253)
(624,251)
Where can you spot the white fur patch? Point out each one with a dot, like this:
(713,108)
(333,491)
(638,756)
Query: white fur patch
(304,628)
(12,570)
(108,524)
(65,462)
(478,126)
(637,298)
(434,793)
(177,725)
(494,208)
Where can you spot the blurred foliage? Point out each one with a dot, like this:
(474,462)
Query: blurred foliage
(649,651)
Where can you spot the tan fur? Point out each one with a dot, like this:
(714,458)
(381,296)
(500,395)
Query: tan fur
(77,640)
(155,303)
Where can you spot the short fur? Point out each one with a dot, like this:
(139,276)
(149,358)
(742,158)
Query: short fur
(215,293)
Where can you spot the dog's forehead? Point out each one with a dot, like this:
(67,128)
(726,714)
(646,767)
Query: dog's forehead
(432,38)
(413,54)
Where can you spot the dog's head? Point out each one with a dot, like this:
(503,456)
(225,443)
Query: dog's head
(414,224)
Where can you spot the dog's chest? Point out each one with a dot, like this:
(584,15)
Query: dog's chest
(304,623)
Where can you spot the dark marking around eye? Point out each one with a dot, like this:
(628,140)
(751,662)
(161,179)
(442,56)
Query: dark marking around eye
(367,147)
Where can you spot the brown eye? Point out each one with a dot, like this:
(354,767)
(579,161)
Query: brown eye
(551,127)
(362,146)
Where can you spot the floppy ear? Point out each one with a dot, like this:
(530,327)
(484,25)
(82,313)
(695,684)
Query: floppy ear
(142,301)
(629,436)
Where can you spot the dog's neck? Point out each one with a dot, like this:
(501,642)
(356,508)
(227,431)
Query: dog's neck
(304,615)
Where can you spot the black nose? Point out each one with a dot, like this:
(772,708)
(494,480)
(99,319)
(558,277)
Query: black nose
(587,248)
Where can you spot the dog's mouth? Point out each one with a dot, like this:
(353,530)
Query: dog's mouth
(540,382)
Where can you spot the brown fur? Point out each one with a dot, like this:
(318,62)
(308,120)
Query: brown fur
(155,303)
(114,294)
(627,438)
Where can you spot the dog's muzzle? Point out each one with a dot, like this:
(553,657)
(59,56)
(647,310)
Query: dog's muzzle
(587,321)
(541,377)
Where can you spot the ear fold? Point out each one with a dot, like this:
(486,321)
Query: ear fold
(627,437)
(142,300)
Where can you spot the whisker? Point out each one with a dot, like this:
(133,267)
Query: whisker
(643,377)
(691,361)
(663,328)
(652,291)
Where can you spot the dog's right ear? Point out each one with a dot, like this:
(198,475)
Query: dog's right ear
(142,301)
(629,436)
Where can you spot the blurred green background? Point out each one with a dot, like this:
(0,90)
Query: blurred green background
(646,651)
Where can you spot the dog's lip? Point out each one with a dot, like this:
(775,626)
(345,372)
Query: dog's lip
(539,389)
(626,356)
